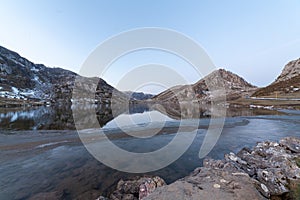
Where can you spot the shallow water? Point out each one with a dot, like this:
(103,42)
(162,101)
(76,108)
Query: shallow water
(34,160)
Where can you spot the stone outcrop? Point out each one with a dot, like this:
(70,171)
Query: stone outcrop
(270,170)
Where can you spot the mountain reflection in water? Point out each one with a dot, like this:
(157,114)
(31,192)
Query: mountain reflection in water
(61,117)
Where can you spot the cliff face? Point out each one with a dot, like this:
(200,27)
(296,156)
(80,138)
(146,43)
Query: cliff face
(22,79)
(287,83)
(234,85)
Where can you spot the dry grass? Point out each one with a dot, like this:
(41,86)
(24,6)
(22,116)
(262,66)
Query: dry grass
(275,103)
(282,88)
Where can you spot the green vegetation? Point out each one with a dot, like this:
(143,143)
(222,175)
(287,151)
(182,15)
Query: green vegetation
(297,160)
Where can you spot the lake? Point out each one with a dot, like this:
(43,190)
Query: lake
(41,152)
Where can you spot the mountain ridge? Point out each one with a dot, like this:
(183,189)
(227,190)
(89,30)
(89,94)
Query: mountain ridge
(21,79)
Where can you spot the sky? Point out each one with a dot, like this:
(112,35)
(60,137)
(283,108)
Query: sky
(253,39)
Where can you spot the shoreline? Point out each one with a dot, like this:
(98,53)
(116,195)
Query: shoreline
(276,103)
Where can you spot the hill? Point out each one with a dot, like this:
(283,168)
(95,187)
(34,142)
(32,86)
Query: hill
(286,85)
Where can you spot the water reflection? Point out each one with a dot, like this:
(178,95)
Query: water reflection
(61,117)
(57,162)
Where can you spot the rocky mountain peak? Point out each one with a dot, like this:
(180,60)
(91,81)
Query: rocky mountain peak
(231,80)
(234,78)
(290,70)
(234,85)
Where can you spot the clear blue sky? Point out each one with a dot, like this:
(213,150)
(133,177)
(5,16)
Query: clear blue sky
(254,39)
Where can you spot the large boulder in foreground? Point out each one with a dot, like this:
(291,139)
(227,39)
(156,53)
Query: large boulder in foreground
(210,183)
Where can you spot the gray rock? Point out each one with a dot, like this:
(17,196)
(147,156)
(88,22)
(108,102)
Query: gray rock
(210,183)
(137,188)
(291,144)
(273,164)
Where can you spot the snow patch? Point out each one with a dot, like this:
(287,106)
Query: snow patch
(263,107)
(15,90)
(36,78)
(17,62)
(14,117)
(34,69)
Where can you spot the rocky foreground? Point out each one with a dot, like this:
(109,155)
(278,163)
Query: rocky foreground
(270,170)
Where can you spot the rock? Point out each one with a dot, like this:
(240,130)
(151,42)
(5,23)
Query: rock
(235,158)
(273,165)
(262,188)
(137,188)
(209,183)
(274,180)
(147,188)
(291,144)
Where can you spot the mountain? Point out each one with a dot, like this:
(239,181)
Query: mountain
(235,87)
(291,70)
(21,79)
(287,84)
(138,95)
